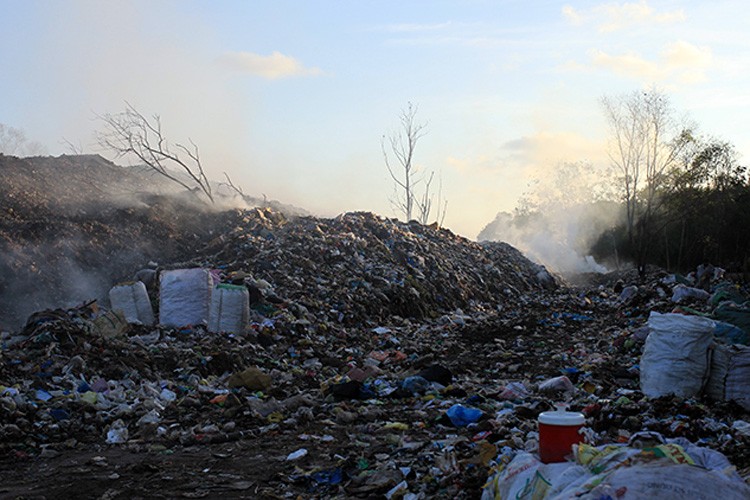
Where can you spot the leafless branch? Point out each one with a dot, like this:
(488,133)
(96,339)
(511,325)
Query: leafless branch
(130,133)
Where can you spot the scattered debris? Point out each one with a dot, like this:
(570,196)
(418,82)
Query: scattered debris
(361,356)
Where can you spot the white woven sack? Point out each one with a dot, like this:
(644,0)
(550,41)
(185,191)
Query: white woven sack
(230,309)
(676,356)
(184,297)
(730,373)
(665,481)
(132,299)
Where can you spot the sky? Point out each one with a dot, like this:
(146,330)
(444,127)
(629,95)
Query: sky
(292,98)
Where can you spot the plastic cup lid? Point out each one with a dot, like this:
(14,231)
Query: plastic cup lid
(561,418)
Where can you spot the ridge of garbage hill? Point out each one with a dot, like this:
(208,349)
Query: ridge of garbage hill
(360,268)
(72,226)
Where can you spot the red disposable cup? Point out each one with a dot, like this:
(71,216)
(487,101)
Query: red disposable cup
(558,432)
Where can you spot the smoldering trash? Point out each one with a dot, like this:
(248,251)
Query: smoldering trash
(358,357)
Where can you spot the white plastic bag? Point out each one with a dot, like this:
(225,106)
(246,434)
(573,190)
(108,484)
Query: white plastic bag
(678,482)
(676,356)
(230,309)
(184,297)
(132,299)
(682,292)
(524,478)
(730,372)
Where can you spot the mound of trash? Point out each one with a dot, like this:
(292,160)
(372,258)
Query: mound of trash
(360,268)
(71,225)
(359,357)
(325,402)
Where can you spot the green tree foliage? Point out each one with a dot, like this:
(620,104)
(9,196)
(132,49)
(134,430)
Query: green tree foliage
(707,209)
(703,212)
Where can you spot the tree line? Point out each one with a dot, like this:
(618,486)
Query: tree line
(668,195)
(685,198)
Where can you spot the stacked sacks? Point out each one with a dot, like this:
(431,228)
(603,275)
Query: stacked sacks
(682,357)
(730,371)
(188,297)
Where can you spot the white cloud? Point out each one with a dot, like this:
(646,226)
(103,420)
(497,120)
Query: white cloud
(678,62)
(611,17)
(272,67)
(629,64)
(459,164)
(531,154)
(684,54)
(572,15)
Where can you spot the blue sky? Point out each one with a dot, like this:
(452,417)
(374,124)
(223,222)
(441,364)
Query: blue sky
(291,98)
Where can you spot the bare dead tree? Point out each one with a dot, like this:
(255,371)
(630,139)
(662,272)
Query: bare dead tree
(13,141)
(405,175)
(442,205)
(131,133)
(646,143)
(425,203)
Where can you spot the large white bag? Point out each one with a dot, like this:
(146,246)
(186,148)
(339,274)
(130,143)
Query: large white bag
(676,356)
(621,472)
(230,309)
(730,373)
(132,299)
(184,297)
(678,482)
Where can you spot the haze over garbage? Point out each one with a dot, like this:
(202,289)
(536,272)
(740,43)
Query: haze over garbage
(283,318)
(291,99)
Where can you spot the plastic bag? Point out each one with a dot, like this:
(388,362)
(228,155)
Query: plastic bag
(676,356)
(682,292)
(520,479)
(230,309)
(132,299)
(731,334)
(462,416)
(184,297)
(666,481)
(730,371)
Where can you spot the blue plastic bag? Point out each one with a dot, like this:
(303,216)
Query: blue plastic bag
(462,416)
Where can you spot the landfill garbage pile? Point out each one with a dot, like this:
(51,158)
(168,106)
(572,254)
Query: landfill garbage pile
(361,357)
(327,396)
(359,268)
(71,226)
